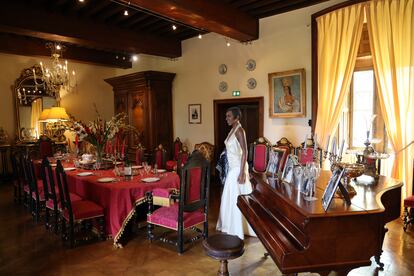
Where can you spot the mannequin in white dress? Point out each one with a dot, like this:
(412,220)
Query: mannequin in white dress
(231,220)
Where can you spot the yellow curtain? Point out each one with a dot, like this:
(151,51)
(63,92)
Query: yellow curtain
(391,33)
(339,35)
(36,112)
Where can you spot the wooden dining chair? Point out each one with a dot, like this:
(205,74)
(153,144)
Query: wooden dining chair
(177,148)
(52,195)
(75,212)
(17,179)
(260,158)
(191,209)
(160,157)
(139,155)
(45,146)
(37,197)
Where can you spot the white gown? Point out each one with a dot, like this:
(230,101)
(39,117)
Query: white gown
(231,220)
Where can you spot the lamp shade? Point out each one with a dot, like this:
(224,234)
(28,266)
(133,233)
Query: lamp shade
(45,114)
(57,114)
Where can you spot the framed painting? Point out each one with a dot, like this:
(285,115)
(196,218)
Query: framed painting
(194,113)
(287,91)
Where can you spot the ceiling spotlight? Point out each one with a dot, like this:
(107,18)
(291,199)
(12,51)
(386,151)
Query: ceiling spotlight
(174,27)
(126,12)
(200,36)
(58,47)
(116,57)
(81,1)
(123,58)
(134,58)
(228,44)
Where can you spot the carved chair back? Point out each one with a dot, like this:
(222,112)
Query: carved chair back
(45,146)
(160,157)
(261,148)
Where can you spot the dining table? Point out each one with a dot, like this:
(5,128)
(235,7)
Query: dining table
(118,197)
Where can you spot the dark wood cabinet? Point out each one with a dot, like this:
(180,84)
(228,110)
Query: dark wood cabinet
(146,97)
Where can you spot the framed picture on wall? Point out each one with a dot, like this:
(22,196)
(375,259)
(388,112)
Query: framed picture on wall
(287,91)
(194,113)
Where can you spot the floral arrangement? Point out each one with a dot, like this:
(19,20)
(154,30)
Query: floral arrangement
(99,132)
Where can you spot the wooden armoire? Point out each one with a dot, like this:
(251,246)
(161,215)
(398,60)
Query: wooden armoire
(146,97)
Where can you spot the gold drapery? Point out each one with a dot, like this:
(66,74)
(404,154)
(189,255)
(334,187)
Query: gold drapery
(391,33)
(339,35)
(36,112)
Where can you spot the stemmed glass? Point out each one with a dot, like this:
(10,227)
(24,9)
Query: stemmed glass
(312,172)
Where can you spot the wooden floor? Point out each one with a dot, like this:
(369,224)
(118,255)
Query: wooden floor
(27,249)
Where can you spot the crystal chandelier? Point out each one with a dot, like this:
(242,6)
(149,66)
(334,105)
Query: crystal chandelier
(56,78)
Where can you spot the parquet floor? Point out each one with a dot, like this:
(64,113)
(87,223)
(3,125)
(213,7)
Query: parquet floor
(27,249)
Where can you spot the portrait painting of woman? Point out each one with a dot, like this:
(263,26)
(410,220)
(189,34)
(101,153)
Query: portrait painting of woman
(287,94)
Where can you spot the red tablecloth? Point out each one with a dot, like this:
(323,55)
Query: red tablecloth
(117,198)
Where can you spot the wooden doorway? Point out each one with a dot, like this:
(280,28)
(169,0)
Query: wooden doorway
(252,119)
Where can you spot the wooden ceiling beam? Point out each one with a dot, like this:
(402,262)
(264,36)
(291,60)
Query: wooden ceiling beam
(19,45)
(282,7)
(212,15)
(83,32)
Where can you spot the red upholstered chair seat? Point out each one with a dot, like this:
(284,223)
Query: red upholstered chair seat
(168,217)
(73,198)
(162,192)
(41,196)
(409,202)
(26,188)
(84,209)
(171,165)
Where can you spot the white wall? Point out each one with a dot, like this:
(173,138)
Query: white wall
(91,89)
(284,44)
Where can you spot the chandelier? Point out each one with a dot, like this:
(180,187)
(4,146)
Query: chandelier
(56,78)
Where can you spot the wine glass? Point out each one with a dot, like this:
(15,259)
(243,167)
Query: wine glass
(312,175)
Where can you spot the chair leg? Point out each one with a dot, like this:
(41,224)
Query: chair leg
(101,222)
(150,229)
(47,224)
(205,230)
(56,222)
(64,236)
(180,241)
(71,234)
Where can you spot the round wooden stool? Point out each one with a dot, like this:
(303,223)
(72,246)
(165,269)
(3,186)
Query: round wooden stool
(223,247)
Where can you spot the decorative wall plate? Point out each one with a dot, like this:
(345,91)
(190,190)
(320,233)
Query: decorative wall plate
(222,69)
(223,86)
(251,83)
(251,64)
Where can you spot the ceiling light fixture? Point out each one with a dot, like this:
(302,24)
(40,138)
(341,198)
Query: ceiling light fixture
(134,58)
(81,1)
(200,36)
(174,27)
(126,12)
(228,44)
(57,77)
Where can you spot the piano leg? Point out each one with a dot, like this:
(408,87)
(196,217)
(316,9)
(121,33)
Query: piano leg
(378,256)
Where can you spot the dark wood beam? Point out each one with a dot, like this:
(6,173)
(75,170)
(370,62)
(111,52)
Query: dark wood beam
(212,15)
(19,45)
(83,32)
(282,7)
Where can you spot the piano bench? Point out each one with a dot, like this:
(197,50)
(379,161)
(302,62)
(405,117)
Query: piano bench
(223,247)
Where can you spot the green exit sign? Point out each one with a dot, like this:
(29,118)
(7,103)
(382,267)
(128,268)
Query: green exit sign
(236,93)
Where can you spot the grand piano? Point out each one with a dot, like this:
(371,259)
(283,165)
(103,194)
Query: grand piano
(301,237)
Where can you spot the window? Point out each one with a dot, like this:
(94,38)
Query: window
(362,104)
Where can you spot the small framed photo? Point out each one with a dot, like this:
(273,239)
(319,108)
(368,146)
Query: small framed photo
(287,175)
(287,94)
(331,188)
(194,113)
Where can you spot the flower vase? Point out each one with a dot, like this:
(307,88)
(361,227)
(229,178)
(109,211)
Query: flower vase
(99,151)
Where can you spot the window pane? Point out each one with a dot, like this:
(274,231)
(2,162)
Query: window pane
(363,105)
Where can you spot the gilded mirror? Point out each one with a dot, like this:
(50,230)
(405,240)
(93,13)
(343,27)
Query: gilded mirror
(30,100)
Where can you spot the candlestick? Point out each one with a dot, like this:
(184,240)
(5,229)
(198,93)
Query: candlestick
(315,142)
(306,139)
(327,143)
(333,149)
(341,149)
